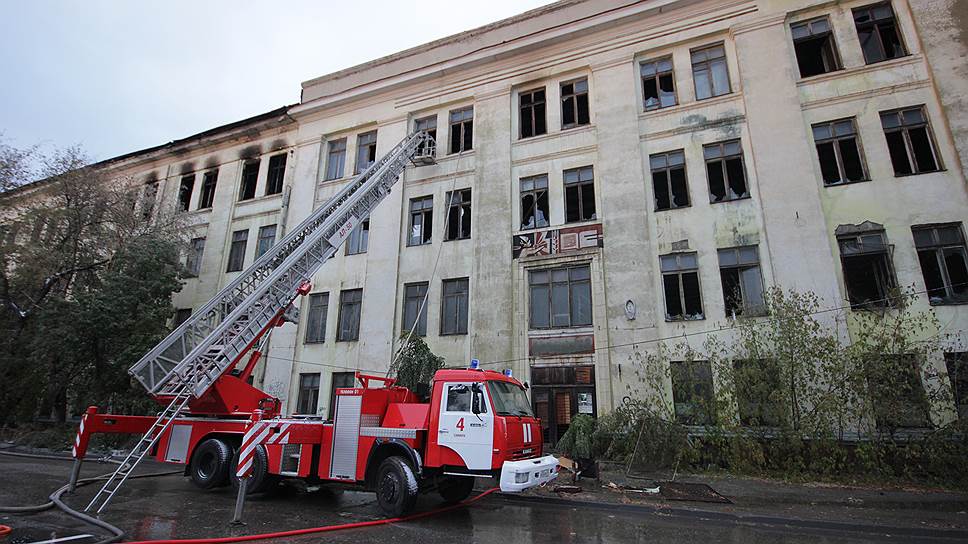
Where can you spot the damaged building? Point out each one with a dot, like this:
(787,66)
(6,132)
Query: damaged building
(606,173)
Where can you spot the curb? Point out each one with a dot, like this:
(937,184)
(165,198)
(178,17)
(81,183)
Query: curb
(806,525)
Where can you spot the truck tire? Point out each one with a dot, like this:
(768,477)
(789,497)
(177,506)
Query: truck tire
(210,463)
(396,487)
(260,481)
(455,488)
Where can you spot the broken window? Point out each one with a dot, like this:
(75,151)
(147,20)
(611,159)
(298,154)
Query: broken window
(276,174)
(692,392)
(308,400)
(147,203)
(680,281)
(237,250)
(868,274)
(193,261)
(185,188)
(336,159)
(896,393)
(739,270)
(709,71)
(365,150)
(944,262)
(458,215)
(658,84)
(316,320)
(839,152)
(421,221)
(462,130)
(574,103)
(532,107)
(453,306)
(725,171)
(669,180)
(267,237)
(350,305)
(560,297)
(880,38)
(414,308)
(757,382)
(909,141)
(250,176)
(208,189)
(428,125)
(957,365)
(359,239)
(816,51)
(579,195)
(534,202)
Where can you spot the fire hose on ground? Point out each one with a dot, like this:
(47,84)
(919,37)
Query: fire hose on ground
(55,501)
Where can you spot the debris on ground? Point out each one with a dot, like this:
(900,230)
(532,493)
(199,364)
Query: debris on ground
(682,491)
(567,489)
(632,489)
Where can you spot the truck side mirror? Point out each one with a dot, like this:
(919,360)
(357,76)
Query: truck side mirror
(477,399)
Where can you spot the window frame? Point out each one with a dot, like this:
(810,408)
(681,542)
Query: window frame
(425,212)
(876,31)
(237,252)
(344,306)
(186,186)
(905,129)
(940,251)
(193,260)
(333,387)
(580,184)
(358,242)
(369,147)
(311,390)
(464,127)
(656,76)
(887,249)
(679,271)
(667,169)
(811,35)
(458,207)
(568,283)
(532,108)
(206,197)
(430,126)
(703,410)
(332,152)
(316,301)
(741,264)
(247,192)
(707,64)
(575,97)
(834,140)
(534,193)
(276,173)
(460,325)
(259,249)
(418,298)
(722,158)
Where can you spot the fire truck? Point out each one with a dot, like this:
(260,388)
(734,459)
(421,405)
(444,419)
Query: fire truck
(470,424)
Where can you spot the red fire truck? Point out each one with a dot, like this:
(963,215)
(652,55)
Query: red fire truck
(473,424)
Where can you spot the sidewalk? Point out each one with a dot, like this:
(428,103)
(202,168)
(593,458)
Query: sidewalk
(860,508)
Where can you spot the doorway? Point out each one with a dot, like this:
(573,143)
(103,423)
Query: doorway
(558,394)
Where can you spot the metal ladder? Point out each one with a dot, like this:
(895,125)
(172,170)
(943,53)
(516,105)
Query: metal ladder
(189,361)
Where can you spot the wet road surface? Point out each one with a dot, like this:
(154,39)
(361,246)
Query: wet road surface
(171,507)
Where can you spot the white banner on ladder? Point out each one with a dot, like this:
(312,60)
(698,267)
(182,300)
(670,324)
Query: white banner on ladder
(344,231)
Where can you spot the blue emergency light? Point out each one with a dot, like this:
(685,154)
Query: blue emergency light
(475,364)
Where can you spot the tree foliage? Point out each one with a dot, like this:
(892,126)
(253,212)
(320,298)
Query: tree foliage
(415,365)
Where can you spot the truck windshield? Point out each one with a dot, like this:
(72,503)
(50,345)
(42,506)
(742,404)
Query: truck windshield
(509,399)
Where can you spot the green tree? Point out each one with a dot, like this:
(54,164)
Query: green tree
(414,365)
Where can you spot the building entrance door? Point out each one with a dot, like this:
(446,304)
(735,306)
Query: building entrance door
(558,394)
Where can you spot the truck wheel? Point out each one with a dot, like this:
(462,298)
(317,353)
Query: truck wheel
(396,487)
(260,480)
(455,488)
(210,463)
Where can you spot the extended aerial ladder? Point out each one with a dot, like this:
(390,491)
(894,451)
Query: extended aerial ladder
(190,361)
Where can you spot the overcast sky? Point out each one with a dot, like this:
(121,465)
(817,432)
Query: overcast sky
(118,76)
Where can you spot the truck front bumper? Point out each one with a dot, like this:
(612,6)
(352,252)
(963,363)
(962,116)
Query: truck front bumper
(517,476)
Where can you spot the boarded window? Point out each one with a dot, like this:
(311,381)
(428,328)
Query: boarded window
(462,130)
(880,38)
(534,202)
(692,392)
(365,150)
(868,274)
(816,51)
(669,180)
(574,103)
(910,142)
(454,306)
(725,171)
(336,159)
(944,262)
(680,281)
(308,399)
(359,239)
(237,251)
(421,221)
(957,365)
(350,306)
(185,188)
(316,320)
(207,197)
(458,215)
(709,72)
(838,151)
(276,174)
(428,125)
(415,308)
(580,195)
(193,261)
(532,107)
(658,84)
(560,297)
(250,177)
(739,269)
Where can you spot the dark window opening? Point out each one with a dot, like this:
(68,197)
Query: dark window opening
(957,365)
(421,221)
(739,269)
(910,142)
(839,152)
(580,195)
(414,308)
(276,174)
(250,176)
(316,320)
(944,262)
(532,108)
(359,239)
(709,72)
(868,274)
(462,130)
(658,84)
(453,306)
(560,297)
(816,52)
(669,180)
(757,382)
(692,392)
(185,189)
(365,151)
(428,125)
(350,305)
(207,197)
(680,282)
(574,104)
(181,316)
(725,171)
(458,215)
(896,392)
(237,250)
(336,159)
(308,399)
(534,202)
(880,38)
